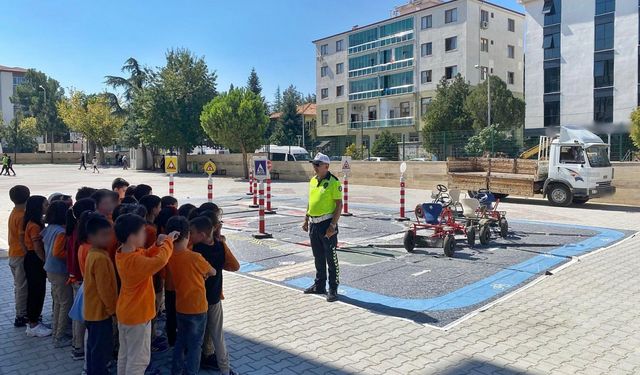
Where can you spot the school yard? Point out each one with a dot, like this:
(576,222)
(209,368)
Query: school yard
(558,295)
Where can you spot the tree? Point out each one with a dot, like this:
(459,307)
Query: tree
(92,116)
(385,145)
(236,119)
(173,103)
(353,151)
(310,98)
(20,134)
(634,132)
(490,139)
(446,113)
(290,120)
(253,83)
(506,110)
(277,101)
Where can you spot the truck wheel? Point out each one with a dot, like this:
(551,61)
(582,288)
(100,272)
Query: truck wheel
(580,200)
(449,245)
(504,227)
(559,195)
(471,236)
(485,234)
(409,241)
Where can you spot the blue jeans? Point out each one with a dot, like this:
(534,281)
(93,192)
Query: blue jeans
(186,353)
(99,346)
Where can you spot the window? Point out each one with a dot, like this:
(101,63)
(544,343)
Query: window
(324,70)
(277,156)
(484,16)
(414,137)
(324,93)
(324,116)
(324,49)
(605,6)
(425,49)
(484,72)
(552,113)
(511,25)
(339,45)
(451,15)
(339,90)
(424,105)
(604,36)
(571,155)
(373,113)
(451,44)
(511,52)
(339,115)
(511,78)
(552,80)
(552,12)
(405,109)
(551,45)
(339,68)
(484,45)
(426,22)
(603,69)
(547,7)
(425,76)
(603,105)
(451,71)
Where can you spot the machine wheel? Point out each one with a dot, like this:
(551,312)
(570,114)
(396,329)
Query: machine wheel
(504,227)
(559,195)
(449,245)
(471,235)
(485,234)
(409,241)
(472,193)
(580,200)
(500,196)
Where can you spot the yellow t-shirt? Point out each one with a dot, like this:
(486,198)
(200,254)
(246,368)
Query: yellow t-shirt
(323,195)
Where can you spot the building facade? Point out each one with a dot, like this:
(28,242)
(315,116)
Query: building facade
(582,63)
(384,75)
(9,79)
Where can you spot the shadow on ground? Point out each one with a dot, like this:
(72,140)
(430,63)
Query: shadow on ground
(474,366)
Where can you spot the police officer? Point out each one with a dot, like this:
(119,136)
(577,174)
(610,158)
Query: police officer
(321,221)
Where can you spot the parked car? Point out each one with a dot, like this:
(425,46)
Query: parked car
(335,158)
(284,153)
(376,158)
(419,159)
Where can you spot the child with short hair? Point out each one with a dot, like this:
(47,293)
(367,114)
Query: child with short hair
(94,165)
(54,239)
(208,241)
(120,185)
(136,302)
(100,294)
(34,264)
(17,251)
(189,271)
(169,201)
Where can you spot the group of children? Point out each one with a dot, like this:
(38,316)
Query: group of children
(123,257)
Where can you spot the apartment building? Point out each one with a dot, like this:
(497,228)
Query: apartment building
(384,75)
(9,79)
(582,64)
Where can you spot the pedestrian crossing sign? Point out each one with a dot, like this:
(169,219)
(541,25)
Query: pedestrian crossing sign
(171,164)
(346,164)
(260,168)
(210,167)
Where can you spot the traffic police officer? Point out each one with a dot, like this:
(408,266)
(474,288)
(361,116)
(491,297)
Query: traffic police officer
(321,221)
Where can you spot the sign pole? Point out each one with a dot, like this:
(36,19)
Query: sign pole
(171,184)
(210,168)
(270,210)
(403,168)
(345,205)
(260,166)
(210,189)
(250,182)
(255,194)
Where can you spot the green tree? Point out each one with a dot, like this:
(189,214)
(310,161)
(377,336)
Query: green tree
(277,101)
(354,151)
(253,83)
(385,145)
(20,134)
(290,120)
(173,102)
(490,140)
(506,110)
(236,119)
(634,132)
(310,98)
(446,113)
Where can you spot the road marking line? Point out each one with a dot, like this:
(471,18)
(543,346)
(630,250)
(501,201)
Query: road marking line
(420,273)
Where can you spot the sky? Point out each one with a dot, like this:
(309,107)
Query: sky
(78,42)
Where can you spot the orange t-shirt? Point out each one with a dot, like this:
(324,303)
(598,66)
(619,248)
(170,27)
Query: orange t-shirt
(100,287)
(136,301)
(15,232)
(152,235)
(83,250)
(187,269)
(31,234)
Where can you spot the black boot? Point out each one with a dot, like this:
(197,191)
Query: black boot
(314,289)
(332,296)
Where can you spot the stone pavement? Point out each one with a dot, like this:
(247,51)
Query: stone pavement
(582,320)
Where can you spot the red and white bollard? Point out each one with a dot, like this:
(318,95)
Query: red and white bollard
(210,189)
(255,193)
(171,185)
(402,186)
(345,198)
(270,210)
(261,223)
(250,182)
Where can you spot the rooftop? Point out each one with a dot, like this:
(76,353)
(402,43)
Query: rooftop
(14,69)
(308,109)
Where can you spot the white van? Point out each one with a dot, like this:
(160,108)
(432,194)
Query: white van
(284,153)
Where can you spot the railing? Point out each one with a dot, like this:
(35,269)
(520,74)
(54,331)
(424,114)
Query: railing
(401,64)
(382,92)
(387,41)
(384,123)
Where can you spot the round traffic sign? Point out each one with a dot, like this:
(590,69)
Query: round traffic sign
(403,167)
(210,167)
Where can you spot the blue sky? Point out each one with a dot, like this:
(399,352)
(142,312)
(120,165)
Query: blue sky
(79,42)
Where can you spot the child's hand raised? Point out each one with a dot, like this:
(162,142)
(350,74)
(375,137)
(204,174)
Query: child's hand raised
(162,237)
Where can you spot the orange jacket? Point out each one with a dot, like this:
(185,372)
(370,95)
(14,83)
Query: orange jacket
(100,288)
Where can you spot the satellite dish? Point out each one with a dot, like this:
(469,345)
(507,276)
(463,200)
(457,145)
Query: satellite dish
(403,167)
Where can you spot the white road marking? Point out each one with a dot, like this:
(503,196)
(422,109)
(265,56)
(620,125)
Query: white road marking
(420,273)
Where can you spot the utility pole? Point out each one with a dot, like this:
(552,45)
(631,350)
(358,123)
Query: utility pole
(45,106)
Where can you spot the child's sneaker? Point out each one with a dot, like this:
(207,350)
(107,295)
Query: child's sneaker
(62,342)
(77,354)
(209,362)
(20,321)
(38,331)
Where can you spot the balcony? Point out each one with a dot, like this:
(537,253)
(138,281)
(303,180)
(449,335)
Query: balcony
(397,65)
(383,123)
(397,90)
(383,42)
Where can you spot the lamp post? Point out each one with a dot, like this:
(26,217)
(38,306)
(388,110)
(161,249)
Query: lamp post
(480,68)
(44,105)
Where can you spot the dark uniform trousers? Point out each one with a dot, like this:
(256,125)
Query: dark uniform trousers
(324,254)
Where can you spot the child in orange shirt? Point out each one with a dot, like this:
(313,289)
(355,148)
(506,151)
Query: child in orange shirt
(120,185)
(188,270)
(136,302)
(18,195)
(100,295)
(32,225)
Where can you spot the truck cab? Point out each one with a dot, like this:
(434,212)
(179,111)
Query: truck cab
(578,168)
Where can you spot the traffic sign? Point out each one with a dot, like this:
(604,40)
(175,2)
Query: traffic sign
(171,164)
(210,167)
(403,167)
(260,168)
(269,165)
(346,164)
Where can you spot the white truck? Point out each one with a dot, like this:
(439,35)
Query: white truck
(571,168)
